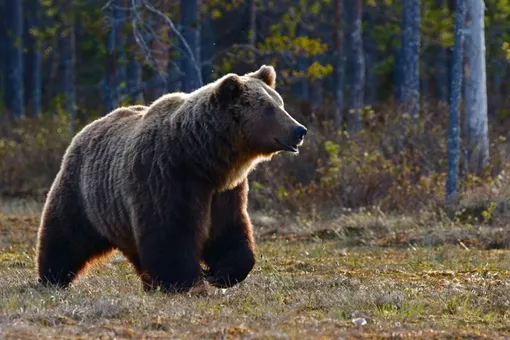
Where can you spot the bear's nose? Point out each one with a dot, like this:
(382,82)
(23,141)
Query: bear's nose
(300,132)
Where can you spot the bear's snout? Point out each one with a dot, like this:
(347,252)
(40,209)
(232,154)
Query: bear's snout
(299,134)
(294,139)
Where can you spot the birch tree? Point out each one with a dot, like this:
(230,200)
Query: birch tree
(252,34)
(134,75)
(440,60)
(67,49)
(455,99)
(410,82)
(33,65)
(339,62)
(3,48)
(301,85)
(14,91)
(355,63)
(476,127)
(160,49)
(208,42)
(111,84)
(191,32)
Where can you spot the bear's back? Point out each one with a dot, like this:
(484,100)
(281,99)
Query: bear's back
(108,148)
(114,127)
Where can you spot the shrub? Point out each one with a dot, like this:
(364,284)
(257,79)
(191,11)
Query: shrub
(31,151)
(393,163)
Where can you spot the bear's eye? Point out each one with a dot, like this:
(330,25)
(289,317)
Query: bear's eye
(269,111)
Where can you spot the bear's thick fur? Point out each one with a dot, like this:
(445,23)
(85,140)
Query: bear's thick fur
(167,185)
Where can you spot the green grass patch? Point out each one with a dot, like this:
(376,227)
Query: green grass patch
(304,285)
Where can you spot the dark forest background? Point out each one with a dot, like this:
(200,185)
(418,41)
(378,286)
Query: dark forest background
(374,81)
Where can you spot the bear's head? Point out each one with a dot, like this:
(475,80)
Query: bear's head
(252,103)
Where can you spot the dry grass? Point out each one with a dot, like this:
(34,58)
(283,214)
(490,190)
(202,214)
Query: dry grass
(310,281)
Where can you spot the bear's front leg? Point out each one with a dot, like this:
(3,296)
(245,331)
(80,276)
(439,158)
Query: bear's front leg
(169,262)
(229,251)
(170,237)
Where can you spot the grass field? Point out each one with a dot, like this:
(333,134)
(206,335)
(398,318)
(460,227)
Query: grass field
(407,278)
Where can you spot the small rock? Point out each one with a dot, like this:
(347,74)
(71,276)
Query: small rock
(359,321)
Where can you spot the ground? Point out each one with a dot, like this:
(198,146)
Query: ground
(402,279)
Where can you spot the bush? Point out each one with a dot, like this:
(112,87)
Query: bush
(394,164)
(31,151)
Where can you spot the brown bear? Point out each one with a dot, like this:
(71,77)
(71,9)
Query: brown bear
(167,185)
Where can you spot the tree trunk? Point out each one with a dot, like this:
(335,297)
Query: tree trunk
(67,49)
(3,50)
(442,80)
(111,85)
(120,43)
(134,76)
(441,63)
(455,99)
(160,48)
(190,64)
(476,89)
(371,82)
(371,59)
(355,65)
(14,90)
(399,74)
(33,60)
(207,48)
(174,74)
(410,86)
(498,80)
(316,94)
(339,63)
(425,61)
(252,34)
(301,86)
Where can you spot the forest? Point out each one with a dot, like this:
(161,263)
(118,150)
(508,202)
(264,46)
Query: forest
(393,219)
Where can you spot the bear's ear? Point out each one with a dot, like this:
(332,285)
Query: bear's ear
(265,73)
(229,87)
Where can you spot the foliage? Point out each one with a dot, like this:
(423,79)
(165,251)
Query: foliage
(31,151)
(397,167)
(391,163)
(506,48)
(286,30)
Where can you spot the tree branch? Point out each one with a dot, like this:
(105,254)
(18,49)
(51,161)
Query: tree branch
(179,35)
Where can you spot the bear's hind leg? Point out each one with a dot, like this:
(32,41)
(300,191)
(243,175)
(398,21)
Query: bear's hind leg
(66,243)
(229,252)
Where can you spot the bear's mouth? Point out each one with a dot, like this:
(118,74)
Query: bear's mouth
(288,147)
